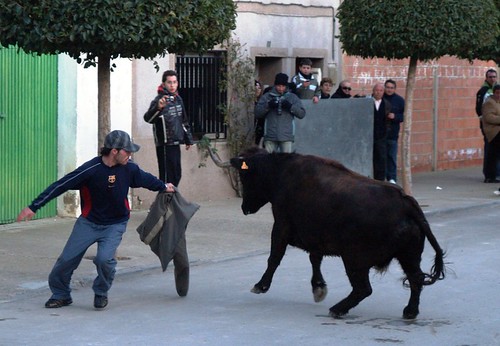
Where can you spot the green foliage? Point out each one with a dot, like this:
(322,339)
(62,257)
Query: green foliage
(115,28)
(238,81)
(491,51)
(239,84)
(420,29)
(204,146)
(239,111)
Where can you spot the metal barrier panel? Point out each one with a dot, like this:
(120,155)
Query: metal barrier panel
(28,130)
(339,129)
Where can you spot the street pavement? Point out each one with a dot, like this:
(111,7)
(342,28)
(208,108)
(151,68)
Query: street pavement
(219,236)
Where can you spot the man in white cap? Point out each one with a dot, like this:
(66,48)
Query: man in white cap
(103,182)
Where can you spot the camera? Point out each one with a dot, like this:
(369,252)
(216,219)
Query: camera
(278,101)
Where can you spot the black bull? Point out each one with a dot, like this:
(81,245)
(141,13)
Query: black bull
(327,210)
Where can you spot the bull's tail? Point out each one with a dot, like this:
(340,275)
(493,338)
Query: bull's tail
(438,269)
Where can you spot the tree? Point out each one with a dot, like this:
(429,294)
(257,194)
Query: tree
(419,30)
(489,52)
(238,81)
(94,32)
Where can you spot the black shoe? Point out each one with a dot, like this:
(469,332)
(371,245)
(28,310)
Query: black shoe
(491,181)
(58,303)
(100,302)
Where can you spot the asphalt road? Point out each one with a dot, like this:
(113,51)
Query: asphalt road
(144,308)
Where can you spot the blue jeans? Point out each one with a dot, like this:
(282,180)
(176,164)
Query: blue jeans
(392,160)
(84,234)
(273,146)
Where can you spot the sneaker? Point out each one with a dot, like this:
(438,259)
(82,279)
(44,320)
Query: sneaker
(100,302)
(58,303)
(392,181)
(497,192)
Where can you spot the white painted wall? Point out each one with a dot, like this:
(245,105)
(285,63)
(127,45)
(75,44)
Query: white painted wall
(284,32)
(77,123)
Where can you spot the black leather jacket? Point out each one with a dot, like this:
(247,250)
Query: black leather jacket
(170,124)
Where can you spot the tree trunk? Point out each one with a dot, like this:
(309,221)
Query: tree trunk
(103,97)
(406,139)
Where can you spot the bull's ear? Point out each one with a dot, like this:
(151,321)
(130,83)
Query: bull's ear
(239,163)
(236,162)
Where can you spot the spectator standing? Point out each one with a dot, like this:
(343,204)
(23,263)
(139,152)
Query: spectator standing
(306,85)
(326,86)
(279,108)
(170,128)
(258,123)
(103,182)
(381,112)
(491,126)
(343,91)
(395,118)
(482,95)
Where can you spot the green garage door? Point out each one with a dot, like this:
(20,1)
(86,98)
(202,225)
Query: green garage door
(28,130)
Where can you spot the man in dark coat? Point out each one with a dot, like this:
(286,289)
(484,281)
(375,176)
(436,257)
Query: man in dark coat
(395,119)
(170,128)
(279,107)
(382,114)
(482,95)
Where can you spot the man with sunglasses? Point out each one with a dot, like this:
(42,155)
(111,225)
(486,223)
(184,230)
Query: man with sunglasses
(103,182)
(343,91)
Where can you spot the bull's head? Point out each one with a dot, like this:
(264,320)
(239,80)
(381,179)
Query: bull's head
(254,191)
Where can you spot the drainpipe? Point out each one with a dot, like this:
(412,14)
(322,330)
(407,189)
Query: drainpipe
(435,104)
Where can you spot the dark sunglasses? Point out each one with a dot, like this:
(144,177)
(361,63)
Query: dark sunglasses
(346,88)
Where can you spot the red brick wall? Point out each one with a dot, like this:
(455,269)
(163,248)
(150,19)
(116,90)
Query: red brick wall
(459,140)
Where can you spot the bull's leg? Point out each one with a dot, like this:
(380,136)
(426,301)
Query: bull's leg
(318,284)
(278,248)
(361,289)
(415,277)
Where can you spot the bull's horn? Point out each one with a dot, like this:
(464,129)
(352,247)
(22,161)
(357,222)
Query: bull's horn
(216,159)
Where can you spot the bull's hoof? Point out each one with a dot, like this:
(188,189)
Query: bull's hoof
(336,313)
(319,293)
(410,314)
(259,289)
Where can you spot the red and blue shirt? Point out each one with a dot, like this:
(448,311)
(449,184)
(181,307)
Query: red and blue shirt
(103,189)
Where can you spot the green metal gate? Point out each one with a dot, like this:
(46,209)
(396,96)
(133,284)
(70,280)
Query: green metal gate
(28,130)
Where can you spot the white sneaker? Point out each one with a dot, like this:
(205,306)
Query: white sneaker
(497,192)
(392,181)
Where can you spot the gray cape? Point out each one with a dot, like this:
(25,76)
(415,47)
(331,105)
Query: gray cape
(166,225)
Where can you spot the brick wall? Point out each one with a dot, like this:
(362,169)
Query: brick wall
(450,85)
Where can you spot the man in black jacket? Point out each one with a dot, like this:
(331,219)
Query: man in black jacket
(170,128)
(394,121)
(483,93)
(381,116)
